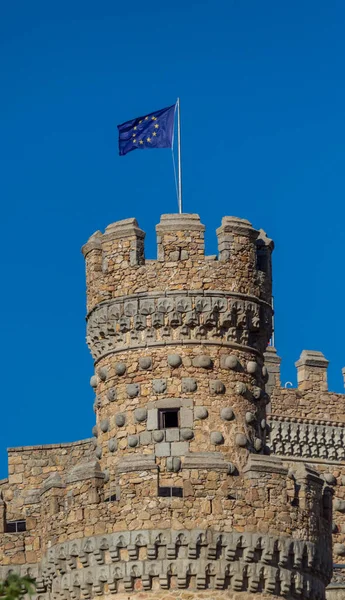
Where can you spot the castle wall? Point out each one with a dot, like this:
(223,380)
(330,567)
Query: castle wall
(175,495)
(29,467)
(307,424)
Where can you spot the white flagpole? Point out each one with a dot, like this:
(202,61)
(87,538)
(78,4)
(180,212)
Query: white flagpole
(179,156)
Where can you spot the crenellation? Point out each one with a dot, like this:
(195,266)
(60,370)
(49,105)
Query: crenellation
(115,263)
(204,478)
(312,371)
(180,237)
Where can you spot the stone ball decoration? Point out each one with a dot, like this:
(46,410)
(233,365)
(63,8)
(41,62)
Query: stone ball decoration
(94,442)
(250,417)
(257,444)
(330,479)
(95,431)
(120,368)
(266,398)
(145,363)
(257,393)
(120,420)
(227,413)
(216,438)
(111,394)
(187,434)
(200,412)
(106,475)
(263,424)
(241,388)
(104,425)
(188,385)
(231,468)
(202,361)
(339,505)
(158,436)
(140,414)
(133,440)
(133,390)
(112,445)
(264,372)
(174,360)
(240,440)
(103,373)
(231,362)
(252,367)
(159,386)
(173,464)
(217,386)
(98,452)
(97,403)
(339,549)
(93,381)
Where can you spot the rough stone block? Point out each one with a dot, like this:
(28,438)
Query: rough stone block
(186,417)
(172,435)
(162,449)
(152,419)
(179,448)
(145,438)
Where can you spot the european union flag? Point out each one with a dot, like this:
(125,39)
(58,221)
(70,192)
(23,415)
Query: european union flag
(155,130)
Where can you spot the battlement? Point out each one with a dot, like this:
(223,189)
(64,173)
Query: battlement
(311,372)
(182,296)
(116,266)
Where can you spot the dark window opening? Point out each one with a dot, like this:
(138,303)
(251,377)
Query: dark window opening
(170,492)
(16,526)
(111,498)
(261,259)
(168,418)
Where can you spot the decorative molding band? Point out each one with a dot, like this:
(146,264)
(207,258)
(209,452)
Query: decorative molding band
(276,417)
(195,559)
(306,440)
(189,317)
(316,461)
(338,579)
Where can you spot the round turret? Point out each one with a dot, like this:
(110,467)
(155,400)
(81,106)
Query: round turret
(180,409)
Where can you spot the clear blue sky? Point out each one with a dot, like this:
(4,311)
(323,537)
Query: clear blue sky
(262,93)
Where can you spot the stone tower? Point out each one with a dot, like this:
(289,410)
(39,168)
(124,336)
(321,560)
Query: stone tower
(180,407)
(177,495)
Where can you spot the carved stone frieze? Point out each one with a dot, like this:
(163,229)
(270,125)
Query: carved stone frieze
(153,319)
(198,559)
(308,439)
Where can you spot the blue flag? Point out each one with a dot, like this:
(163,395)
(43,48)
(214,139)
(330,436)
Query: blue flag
(155,130)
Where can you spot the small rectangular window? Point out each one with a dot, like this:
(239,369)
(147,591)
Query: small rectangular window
(170,492)
(16,526)
(111,498)
(261,259)
(168,418)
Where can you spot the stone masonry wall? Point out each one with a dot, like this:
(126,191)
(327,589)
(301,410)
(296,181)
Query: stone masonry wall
(190,508)
(308,424)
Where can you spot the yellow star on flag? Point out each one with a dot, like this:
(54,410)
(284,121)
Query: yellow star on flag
(141,142)
(146,118)
(154,133)
(154,118)
(134,141)
(156,126)
(148,139)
